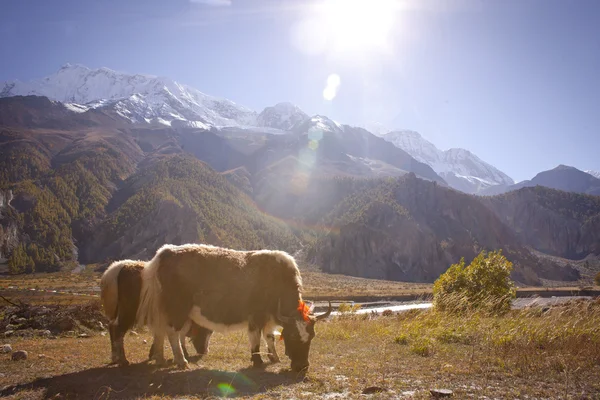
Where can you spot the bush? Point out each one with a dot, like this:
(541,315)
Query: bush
(348,308)
(401,339)
(485,285)
(597,279)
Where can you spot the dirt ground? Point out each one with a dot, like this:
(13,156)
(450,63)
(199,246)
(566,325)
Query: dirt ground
(528,354)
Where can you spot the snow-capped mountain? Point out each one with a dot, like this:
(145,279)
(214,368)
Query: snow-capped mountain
(376,128)
(595,174)
(462,169)
(281,116)
(136,97)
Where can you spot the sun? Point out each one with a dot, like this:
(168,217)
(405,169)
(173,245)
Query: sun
(357,25)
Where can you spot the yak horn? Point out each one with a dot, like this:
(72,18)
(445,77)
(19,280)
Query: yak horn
(326,314)
(284,319)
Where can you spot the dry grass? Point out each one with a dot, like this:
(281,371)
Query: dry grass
(551,354)
(317,285)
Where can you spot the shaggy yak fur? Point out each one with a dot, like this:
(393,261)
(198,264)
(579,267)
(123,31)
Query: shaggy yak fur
(120,288)
(222,289)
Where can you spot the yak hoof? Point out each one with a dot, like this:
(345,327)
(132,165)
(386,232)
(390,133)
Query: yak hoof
(182,364)
(257,362)
(123,363)
(160,361)
(273,358)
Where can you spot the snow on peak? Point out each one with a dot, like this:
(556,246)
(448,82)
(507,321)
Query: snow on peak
(419,148)
(324,124)
(136,96)
(595,174)
(281,116)
(459,167)
(376,128)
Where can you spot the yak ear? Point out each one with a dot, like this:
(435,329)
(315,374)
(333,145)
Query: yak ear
(282,318)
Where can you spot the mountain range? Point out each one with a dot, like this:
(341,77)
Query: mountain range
(159,100)
(563,177)
(96,165)
(462,169)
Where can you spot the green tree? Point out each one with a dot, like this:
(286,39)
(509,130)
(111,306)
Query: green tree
(484,284)
(20,262)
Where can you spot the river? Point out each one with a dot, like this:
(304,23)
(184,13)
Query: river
(379,306)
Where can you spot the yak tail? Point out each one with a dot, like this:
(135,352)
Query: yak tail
(150,311)
(109,289)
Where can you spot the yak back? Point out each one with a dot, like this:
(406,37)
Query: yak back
(129,284)
(229,286)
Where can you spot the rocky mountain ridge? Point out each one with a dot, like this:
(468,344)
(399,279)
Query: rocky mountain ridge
(562,177)
(462,169)
(93,186)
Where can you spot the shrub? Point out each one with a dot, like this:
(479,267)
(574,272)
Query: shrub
(422,347)
(387,313)
(346,308)
(484,284)
(597,279)
(401,339)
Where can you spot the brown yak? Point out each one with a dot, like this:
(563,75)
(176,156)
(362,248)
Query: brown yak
(120,288)
(223,289)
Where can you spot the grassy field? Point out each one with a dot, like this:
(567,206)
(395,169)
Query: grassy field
(531,353)
(316,285)
(525,354)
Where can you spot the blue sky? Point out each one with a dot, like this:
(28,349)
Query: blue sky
(515,82)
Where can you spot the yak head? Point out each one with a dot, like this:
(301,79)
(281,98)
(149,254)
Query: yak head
(298,331)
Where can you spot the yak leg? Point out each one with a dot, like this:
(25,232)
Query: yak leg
(269,334)
(174,340)
(158,342)
(117,334)
(254,336)
(157,350)
(182,336)
(200,339)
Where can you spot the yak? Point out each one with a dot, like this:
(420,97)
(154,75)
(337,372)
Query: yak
(224,289)
(120,288)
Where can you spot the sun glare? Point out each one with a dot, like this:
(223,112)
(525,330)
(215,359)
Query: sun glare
(357,24)
(346,26)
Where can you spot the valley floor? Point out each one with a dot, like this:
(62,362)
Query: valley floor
(530,353)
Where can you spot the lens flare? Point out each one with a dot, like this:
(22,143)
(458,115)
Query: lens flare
(331,89)
(226,389)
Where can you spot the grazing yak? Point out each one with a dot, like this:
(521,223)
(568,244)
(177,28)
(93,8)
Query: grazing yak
(222,290)
(120,288)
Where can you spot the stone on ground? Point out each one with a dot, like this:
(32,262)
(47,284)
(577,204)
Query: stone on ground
(19,355)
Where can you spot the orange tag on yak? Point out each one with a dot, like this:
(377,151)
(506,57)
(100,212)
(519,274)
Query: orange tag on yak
(304,310)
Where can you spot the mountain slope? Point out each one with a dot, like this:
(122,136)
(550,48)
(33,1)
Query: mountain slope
(282,116)
(409,229)
(71,192)
(139,98)
(563,177)
(595,174)
(552,221)
(60,183)
(178,199)
(460,168)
